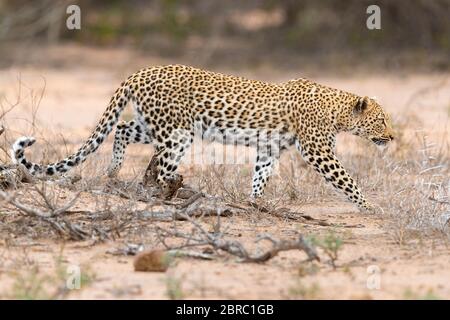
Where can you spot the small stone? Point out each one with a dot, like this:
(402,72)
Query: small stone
(152,261)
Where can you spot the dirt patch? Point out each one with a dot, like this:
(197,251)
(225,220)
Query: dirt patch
(370,264)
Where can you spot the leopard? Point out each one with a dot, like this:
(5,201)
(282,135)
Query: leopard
(174,103)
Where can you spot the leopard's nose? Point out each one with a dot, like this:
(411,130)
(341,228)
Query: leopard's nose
(391,137)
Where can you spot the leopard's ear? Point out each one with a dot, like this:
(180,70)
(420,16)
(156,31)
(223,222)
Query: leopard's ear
(361,106)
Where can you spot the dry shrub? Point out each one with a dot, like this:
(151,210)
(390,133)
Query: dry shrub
(410,181)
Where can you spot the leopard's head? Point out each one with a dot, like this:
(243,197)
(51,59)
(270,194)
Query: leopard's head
(370,121)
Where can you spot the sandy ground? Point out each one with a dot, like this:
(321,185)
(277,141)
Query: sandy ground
(371,264)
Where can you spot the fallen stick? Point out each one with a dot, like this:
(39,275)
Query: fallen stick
(53,216)
(200,237)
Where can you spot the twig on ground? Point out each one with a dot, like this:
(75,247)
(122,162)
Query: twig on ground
(200,237)
(54,216)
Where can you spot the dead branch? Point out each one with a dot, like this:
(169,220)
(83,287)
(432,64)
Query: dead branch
(12,175)
(52,216)
(191,254)
(145,192)
(200,237)
(199,205)
(433,198)
(190,201)
(286,213)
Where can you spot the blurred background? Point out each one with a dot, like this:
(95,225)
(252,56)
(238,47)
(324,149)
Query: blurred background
(329,34)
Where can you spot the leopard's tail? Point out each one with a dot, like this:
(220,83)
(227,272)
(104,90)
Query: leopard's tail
(107,122)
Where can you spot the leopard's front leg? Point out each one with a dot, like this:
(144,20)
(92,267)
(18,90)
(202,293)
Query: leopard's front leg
(325,162)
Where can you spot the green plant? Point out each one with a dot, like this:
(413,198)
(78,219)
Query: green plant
(330,243)
(30,285)
(301,291)
(34,284)
(174,290)
(429,295)
(307,269)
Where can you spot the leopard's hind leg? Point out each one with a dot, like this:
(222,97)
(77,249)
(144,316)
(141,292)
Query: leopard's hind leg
(262,172)
(268,152)
(126,133)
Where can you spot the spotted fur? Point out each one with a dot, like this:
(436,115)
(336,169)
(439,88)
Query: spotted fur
(173,103)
